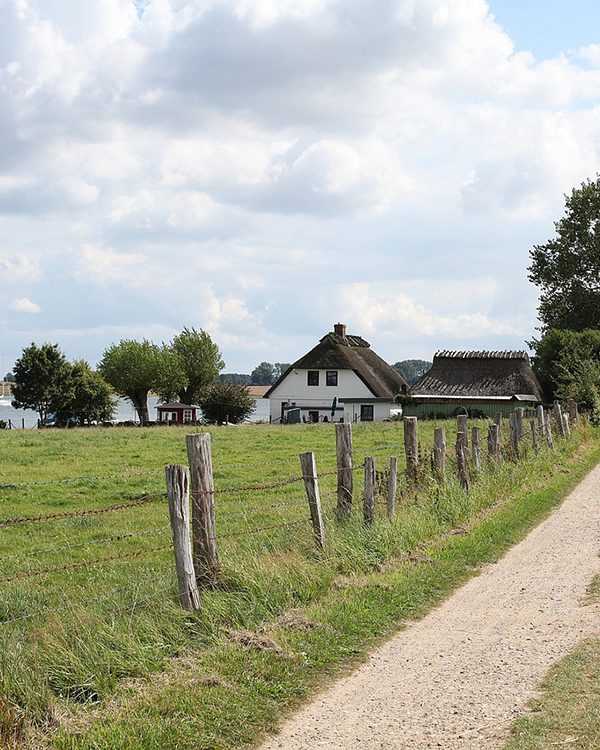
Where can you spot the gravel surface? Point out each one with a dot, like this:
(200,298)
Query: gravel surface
(458,677)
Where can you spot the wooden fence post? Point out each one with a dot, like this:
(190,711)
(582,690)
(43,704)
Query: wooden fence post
(308,465)
(520,419)
(206,560)
(559,419)
(462,431)
(566,425)
(475,449)
(439,453)
(494,442)
(411,446)
(534,436)
(573,412)
(391,490)
(549,438)
(178,493)
(514,434)
(461,459)
(369,501)
(498,421)
(541,418)
(345,477)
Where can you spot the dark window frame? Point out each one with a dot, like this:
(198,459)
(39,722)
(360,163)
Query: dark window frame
(312,373)
(328,375)
(367,409)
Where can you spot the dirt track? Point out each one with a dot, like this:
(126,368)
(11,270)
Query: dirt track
(457,678)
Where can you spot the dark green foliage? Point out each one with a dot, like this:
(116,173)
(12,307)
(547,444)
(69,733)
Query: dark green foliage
(224,401)
(134,368)
(412,369)
(92,397)
(201,361)
(9,377)
(263,374)
(567,268)
(567,364)
(43,380)
(235,377)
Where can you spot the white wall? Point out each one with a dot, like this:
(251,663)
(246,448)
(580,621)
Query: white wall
(295,387)
(381,411)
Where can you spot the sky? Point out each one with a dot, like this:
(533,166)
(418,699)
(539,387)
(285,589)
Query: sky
(263,169)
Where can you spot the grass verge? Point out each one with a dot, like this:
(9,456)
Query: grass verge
(301,629)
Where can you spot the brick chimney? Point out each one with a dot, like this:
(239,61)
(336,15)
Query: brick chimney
(339,329)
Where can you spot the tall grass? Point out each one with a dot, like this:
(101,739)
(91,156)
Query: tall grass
(69,641)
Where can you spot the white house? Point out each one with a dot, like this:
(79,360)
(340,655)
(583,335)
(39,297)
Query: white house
(340,379)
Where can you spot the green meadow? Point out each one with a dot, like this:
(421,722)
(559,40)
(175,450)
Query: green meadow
(96,651)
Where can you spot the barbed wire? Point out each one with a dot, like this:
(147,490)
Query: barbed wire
(84,564)
(74,480)
(67,546)
(247,532)
(19,521)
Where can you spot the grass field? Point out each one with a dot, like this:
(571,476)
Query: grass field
(102,656)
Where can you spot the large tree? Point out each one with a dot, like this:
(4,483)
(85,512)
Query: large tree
(201,361)
(43,380)
(92,399)
(226,402)
(263,374)
(134,368)
(567,267)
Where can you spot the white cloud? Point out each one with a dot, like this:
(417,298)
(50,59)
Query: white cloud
(24,305)
(104,266)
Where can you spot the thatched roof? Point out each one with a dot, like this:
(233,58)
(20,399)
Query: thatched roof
(345,352)
(480,374)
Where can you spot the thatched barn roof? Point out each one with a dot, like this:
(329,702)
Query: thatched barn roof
(338,351)
(480,375)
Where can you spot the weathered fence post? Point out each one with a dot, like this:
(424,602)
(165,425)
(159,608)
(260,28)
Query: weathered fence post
(411,446)
(573,412)
(549,438)
(498,421)
(475,449)
(391,490)
(520,421)
(369,501)
(494,442)
(462,431)
(178,493)
(439,453)
(559,420)
(534,436)
(206,560)
(514,434)
(461,460)
(541,418)
(308,465)
(566,425)
(345,477)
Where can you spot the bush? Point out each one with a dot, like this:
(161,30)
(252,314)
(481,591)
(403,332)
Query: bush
(224,401)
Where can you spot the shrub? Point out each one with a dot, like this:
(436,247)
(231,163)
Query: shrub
(224,401)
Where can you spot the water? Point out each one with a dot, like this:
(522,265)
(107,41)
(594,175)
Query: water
(124,412)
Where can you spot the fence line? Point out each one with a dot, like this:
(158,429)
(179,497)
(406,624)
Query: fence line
(145,500)
(84,564)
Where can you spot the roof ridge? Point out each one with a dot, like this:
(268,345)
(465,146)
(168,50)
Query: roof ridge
(482,354)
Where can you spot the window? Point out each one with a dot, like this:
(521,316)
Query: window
(331,377)
(366,413)
(313,377)
(313,416)
(187,415)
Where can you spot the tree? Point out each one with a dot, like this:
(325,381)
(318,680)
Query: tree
(263,374)
(134,368)
(43,380)
(412,369)
(201,359)
(240,378)
(92,397)
(567,268)
(567,360)
(9,377)
(224,401)
(280,368)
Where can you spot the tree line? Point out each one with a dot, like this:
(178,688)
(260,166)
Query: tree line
(186,370)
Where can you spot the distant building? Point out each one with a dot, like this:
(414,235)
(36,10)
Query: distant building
(480,381)
(341,379)
(176,413)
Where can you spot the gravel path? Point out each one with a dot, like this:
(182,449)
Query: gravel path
(458,677)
